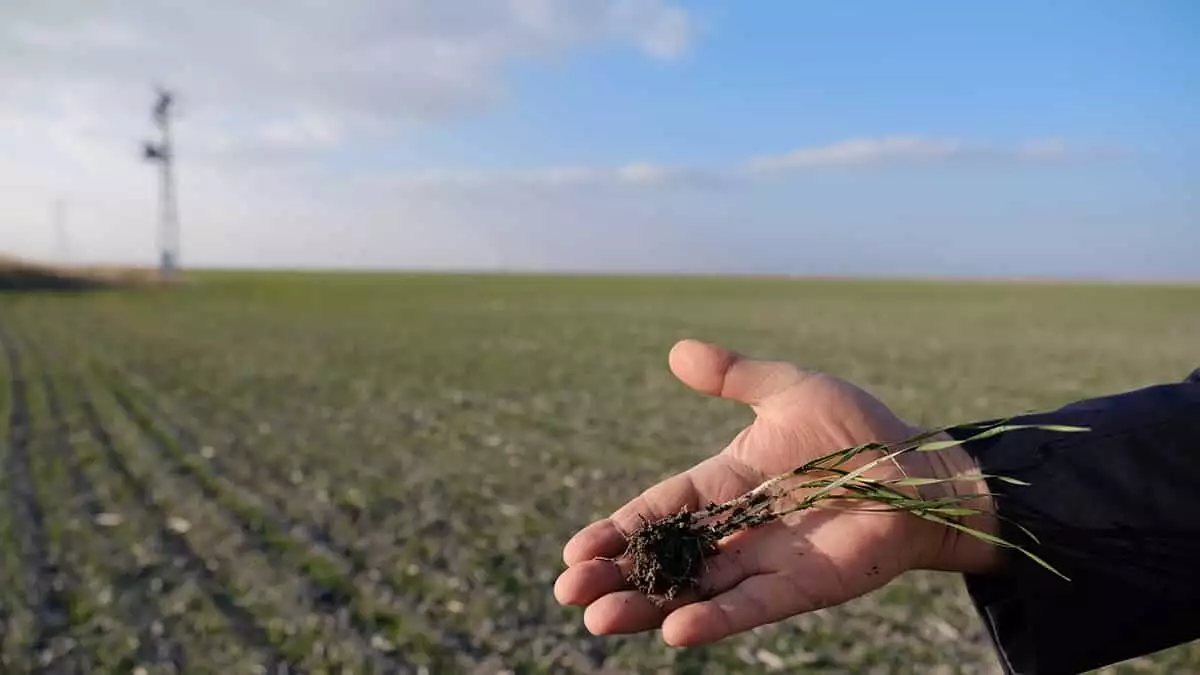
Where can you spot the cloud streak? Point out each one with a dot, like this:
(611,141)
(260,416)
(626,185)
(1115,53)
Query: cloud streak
(909,150)
(632,175)
(897,150)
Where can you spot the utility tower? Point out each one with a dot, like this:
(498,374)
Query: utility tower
(163,153)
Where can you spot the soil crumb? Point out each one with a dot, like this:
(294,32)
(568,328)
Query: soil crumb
(668,555)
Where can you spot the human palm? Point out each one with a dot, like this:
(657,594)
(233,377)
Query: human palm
(802,562)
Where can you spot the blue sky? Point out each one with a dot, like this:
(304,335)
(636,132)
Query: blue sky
(930,139)
(798,74)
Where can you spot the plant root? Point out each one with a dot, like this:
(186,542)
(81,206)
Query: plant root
(669,555)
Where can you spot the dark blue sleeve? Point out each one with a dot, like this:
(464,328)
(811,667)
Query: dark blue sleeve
(1117,510)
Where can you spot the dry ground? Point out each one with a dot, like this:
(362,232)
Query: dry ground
(296,473)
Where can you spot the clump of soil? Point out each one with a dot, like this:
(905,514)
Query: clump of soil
(668,555)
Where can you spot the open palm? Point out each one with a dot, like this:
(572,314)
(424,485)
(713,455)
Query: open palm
(803,562)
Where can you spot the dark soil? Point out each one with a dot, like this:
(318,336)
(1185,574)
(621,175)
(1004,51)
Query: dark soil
(36,280)
(668,555)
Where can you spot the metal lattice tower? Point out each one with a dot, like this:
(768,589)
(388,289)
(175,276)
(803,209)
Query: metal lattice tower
(163,153)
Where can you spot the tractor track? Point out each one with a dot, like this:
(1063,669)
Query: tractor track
(155,641)
(81,490)
(44,587)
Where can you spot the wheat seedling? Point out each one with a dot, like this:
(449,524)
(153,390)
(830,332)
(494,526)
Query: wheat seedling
(668,554)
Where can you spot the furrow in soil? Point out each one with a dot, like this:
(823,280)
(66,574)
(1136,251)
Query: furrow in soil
(243,623)
(158,637)
(43,597)
(329,596)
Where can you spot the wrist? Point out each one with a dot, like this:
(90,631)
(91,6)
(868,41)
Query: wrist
(944,548)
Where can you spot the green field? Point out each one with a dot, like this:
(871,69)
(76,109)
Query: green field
(378,472)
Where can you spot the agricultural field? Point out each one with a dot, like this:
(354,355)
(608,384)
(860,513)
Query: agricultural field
(320,473)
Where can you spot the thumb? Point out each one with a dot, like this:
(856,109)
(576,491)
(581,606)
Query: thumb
(721,372)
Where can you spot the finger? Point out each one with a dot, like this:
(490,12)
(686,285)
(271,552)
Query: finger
(601,539)
(628,612)
(758,600)
(720,372)
(584,583)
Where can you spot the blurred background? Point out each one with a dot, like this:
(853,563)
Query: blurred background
(930,139)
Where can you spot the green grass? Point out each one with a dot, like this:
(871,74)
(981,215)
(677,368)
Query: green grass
(424,444)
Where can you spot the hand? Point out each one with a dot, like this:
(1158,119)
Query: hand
(803,562)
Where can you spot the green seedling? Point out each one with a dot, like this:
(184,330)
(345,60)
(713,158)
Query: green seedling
(669,554)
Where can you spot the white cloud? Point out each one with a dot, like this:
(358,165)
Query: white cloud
(1044,148)
(88,33)
(306,131)
(861,151)
(636,174)
(267,92)
(261,82)
(397,60)
(665,32)
(653,174)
